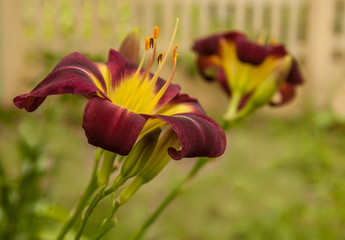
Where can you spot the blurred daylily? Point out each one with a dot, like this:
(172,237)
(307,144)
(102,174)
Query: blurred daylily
(249,72)
(126,102)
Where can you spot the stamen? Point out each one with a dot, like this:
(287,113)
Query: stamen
(147,43)
(158,96)
(155,77)
(159,57)
(174,54)
(262,38)
(155,32)
(174,59)
(149,64)
(148,67)
(152,42)
(273,42)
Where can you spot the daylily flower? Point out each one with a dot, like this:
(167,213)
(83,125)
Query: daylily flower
(126,102)
(242,66)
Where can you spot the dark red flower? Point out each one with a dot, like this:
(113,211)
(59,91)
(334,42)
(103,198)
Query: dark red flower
(242,65)
(126,102)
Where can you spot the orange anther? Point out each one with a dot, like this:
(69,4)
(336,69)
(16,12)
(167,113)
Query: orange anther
(152,42)
(156,32)
(147,43)
(174,51)
(159,57)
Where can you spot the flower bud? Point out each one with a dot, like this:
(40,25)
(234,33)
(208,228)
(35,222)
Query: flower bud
(160,157)
(106,168)
(130,46)
(139,155)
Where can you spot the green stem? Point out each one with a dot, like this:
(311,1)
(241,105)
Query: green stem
(91,187)
(109,221)
(102,193)
(233,106)
(172,195)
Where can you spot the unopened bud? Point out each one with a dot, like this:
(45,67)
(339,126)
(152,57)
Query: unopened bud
(140,154)
(130,46)
(106,168)
(160,157)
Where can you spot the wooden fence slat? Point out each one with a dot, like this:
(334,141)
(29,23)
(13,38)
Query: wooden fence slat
(258,17)
(239,14)
(275,20)
(319,46)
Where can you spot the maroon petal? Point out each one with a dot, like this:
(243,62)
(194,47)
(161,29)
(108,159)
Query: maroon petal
(169,94)
(71,75)
(251,52)
(295,76)
(119,67)
(210,45)
(199,135)
(223,82)
(207,67)
(111,126)
(182,99)
(287,92)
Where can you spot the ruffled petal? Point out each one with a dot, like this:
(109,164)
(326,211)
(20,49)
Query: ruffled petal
(251,52)
(199,135)
(295,76)
(182,103)
(111,126)
(171,92)
(119,67)
(75,74)
(208,66)
(210,45)
(223,81)
(287,93)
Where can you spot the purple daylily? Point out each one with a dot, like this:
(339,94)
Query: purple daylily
(126,102)
(242,65)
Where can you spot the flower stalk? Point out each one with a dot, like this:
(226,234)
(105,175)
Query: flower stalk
(90,189)
(172,195)
(233,106)
(106,169)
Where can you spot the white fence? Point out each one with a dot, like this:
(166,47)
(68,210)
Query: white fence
(314,30)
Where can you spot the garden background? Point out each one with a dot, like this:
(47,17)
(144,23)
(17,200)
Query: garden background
(282,176)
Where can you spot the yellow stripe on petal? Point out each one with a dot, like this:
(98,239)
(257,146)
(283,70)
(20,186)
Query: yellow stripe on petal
(103,68)
(169,109)
(229,62)
(261,72)
(150,125)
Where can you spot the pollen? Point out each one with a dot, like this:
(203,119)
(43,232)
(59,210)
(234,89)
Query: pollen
(159,57)
(156,32)
(273,42)
(175,50)
(174,55)
(147,43)
(152,42)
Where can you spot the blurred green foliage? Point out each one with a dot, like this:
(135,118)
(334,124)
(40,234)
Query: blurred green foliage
(281,178)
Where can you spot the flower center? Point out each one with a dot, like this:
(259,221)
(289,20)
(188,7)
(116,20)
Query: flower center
(138,92)
(244,77)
